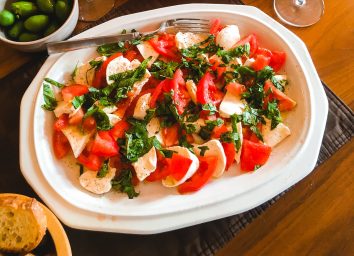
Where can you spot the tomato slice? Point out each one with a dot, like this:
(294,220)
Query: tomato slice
(130,55)
(285,103)
(215,26)
(61,122)
(181,96)
(170,135)
(218,130)
(206,89)
(207,165)
(230,153)
(89,123)
(71,91)
(277,60)
(235,88)
(220,72)
(161,171)
(252,40)
(77,117)
(157,92)
(99,80)
(165,45)
(253,155)
(178,166)
(104,145)
(90,160)
(260,62)
(119,129)
(61,144)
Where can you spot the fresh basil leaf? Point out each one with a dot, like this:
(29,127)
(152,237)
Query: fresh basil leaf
(50,102)
(280,85)
(210,107)
(256,131)
(161,70)
(109,49)
(239,51)
(101,118)
(78,101)
(184,143)
(165,152)
(189,128)
(150,113)
(273,113)
(96,64)
(205,131)
(124,184)
(53,82)
(234,135)
(141,39)
(103,171)
(203,149)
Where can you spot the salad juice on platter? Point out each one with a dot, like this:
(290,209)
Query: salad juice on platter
(179,109)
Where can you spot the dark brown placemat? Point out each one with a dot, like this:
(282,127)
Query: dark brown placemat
(202,239)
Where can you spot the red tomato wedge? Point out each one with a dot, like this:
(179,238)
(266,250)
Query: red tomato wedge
(99,80)
(206,89)
(165,45)
(89,123)
(230,153)
(90,160)
(104,145)
(61,144)
(277,60)
(61,122)
(170,135)
(235,88)
(253,155)
(180,96)
(260,62)
(207,165)
(161,172)
(131,55)
(264,52)
(71,91)
(158,91)
(252,40)
(220,72)
(285,102)
(218,130)
(178,166)
(215,26)
(119,129)
(76,118)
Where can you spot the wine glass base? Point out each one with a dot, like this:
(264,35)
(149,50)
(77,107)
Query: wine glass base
(299,13)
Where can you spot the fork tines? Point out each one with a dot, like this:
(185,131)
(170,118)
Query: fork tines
(192,25)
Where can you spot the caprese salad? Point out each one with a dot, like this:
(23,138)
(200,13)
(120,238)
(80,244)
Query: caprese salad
(179,109)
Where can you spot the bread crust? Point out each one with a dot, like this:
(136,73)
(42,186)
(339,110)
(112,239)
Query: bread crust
(18,203)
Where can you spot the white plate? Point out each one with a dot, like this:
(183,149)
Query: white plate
(165,209)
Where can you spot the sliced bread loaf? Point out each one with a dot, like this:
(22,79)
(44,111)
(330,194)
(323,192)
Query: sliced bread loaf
(23,223)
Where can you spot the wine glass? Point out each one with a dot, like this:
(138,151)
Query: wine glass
(92,10)
(299,13)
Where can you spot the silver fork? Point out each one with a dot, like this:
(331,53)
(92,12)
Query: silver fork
(173,25)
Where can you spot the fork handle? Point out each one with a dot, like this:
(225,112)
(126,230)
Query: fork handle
(70,45)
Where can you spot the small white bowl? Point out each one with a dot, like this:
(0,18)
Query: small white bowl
(38,45)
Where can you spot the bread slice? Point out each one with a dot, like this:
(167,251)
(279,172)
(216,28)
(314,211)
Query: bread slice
(23,223)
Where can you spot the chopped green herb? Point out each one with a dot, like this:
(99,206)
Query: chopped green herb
(100,117)
(273,113)
(161,70)
(184,143)
(228,55)
(78,101)
(53,82)
(109,49)
(203,149)
(189,128)
(104,170)
(50,102)
(234,135)
(150,113)
(210,107)
(124,184)
(165,152)
(73,74)
(251,117)
(138,40)
(96,64)
(205,131)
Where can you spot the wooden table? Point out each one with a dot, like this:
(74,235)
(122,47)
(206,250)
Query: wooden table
(316,217)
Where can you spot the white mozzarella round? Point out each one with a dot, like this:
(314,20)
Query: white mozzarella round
(142,105)
(231,104)
(170,181)
(275,136)
(146,164)
(153,128)
(228,37)
(192,90)
(188,39)
(90,181)
(146,50)
(117,65)
(84,74)
(214,149)
(77,138)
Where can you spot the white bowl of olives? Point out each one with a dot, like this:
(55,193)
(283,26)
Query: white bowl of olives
(28,25)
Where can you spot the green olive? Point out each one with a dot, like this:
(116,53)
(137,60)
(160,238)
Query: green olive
(26,37)
(16,30)
(36,23)
(24,8)
(51,28)
(61,10)
(7,18)
(46,6)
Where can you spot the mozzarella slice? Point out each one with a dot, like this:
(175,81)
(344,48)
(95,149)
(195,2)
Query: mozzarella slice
(275,136)
(90,181)
(146,164)
(192,90)
(197,124)
(231,104)
(197,139)
(63,107)
(170,181)
(109,109)
(113,119)
(228,37)
(188,39)
(153,128)
(77,139)
(215,149)
(280,77)
(146,50)
(249,62)
(84,74)
(238,153)
(142,105)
